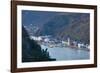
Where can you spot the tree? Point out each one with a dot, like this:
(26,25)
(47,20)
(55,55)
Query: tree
(31,51)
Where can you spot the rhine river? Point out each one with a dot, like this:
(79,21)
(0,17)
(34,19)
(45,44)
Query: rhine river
(66,53)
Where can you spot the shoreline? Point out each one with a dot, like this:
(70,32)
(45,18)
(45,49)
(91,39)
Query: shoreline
(71,47)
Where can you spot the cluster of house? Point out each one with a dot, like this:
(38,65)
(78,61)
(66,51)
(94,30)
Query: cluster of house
(76,44)
(40,38)
(52,42)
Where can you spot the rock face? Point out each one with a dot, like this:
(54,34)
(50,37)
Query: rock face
(31,51)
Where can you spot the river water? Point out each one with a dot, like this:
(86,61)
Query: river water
(67,53)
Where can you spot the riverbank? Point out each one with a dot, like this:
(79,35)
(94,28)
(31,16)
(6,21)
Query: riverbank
(65,46)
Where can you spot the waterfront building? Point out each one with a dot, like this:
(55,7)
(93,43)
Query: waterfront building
(68,41)
(46,40)
(36,38)
(80,45)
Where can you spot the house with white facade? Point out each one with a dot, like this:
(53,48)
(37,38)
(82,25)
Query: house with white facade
(36,38)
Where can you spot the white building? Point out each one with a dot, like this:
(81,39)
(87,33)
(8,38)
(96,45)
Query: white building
(33,37)
(46,40)
(87,46)
(39,38)
(36,38)
(80,45)
(68,41)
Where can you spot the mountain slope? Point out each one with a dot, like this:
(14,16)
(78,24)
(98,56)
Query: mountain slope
(75,26)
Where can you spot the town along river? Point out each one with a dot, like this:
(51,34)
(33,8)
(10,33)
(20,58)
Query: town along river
(67,53)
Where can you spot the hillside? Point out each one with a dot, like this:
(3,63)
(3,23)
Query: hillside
(31,51)
(75,26)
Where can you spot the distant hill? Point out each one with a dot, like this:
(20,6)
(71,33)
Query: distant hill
(53,26)
(75,26)
(77,29)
